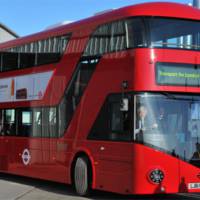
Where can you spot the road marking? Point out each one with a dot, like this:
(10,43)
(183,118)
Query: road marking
(24,193)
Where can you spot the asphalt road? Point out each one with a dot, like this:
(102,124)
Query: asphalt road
(20,188)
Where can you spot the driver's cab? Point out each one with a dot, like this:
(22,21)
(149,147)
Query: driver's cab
(172,123)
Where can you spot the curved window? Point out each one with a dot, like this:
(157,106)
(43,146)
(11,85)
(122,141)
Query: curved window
(117,36)
(137,32)
(162,123)
(174,33)
(107,38)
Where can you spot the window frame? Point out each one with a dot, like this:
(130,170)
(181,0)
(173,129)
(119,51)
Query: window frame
(22,50)
(114,98)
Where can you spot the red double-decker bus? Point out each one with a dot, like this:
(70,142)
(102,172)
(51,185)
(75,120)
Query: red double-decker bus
(110,103)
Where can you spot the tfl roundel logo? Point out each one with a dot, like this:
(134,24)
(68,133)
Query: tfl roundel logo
(26,157)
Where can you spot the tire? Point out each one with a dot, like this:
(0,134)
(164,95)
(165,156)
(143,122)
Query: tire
(82,181)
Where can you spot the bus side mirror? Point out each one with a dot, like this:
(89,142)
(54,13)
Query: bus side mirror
(124,105)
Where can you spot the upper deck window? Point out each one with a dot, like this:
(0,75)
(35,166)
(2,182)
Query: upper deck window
(174,33)
(136,32)
(107,38)
(117,36)
(35,53)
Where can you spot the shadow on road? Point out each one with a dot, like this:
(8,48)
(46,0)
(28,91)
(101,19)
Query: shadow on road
(58,188)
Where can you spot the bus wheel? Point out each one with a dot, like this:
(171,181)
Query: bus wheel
(82,181)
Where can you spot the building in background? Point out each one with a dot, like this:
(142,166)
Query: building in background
(6,34)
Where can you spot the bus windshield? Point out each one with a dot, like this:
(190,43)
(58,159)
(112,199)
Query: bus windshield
(174,33)
(170,123)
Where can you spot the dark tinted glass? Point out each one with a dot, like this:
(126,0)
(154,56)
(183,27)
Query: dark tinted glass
(83,75)
(174,33)
(36,53)
(66,110)
(25,122)
(118,35)
(112,123)
(107,38)
(9,122)
(1,122)
(49,122)
(45,58)
(27,60)
(75,91)
(9,61)
(52,121)
(37,122)
(137,32)
(30,122)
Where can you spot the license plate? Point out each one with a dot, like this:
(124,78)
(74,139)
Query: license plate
(193,186)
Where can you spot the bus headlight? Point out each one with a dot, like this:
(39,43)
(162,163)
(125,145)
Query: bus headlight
(156,176)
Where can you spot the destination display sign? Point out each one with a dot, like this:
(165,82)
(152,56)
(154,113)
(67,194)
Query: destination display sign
(178,74)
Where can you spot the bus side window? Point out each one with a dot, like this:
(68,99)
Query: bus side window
(53,131)
(112,123)
(65,111)
(1,122)
(120,122)
(49,122)
(9,122)
(45,123)
(75,91)
(37,122)
(39,52)
(86,69)
(9,61)
(25,122)
(110,37)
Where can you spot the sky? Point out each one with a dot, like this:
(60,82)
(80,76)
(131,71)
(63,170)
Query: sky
(30,16)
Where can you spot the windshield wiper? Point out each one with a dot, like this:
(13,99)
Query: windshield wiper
(181,98)
(169,95)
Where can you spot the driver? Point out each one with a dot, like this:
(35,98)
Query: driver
(143,123)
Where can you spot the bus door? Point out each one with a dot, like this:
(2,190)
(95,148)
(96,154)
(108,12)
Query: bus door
(110,141)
